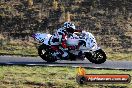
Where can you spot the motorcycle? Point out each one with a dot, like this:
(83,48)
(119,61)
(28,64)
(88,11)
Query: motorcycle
(88,48)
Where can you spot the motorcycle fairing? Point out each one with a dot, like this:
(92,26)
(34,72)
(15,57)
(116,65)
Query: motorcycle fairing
(42,37)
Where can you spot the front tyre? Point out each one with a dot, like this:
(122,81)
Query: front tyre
(98,57)
(45,55)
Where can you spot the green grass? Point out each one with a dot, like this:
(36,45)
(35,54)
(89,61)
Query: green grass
(19,50)
(51,77)
(120,56)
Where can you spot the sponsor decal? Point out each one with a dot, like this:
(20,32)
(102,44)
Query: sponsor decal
(83,78)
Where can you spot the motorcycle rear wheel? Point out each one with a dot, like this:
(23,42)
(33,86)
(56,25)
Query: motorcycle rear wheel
(98,57)
(45,55)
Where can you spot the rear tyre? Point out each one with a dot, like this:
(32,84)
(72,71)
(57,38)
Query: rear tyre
(45,55)
(98,57)
(72,57)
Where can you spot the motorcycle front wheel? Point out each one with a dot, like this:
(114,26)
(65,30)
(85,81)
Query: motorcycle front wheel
(98,57)
(45,55)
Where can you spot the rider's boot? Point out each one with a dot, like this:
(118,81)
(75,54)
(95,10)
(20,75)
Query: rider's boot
(65,56)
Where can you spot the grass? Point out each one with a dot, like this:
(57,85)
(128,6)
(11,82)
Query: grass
(51,77)
(120,56)
(19,50)
(18,47)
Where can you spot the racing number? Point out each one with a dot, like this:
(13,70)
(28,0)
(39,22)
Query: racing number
(42,40)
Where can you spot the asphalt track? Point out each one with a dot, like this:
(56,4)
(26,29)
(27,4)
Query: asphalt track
(37,61)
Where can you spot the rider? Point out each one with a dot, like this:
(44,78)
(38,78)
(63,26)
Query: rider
(60,38)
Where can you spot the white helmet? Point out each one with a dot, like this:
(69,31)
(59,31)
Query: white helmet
(69,25)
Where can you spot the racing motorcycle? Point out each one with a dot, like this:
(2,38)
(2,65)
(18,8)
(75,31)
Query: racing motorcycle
(87,50)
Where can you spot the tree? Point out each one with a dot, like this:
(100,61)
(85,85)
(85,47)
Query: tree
(55,5)
(30,2)
(68,15)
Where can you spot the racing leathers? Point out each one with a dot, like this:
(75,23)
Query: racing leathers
(59,38)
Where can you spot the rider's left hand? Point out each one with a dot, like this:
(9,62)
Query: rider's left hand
(81,42)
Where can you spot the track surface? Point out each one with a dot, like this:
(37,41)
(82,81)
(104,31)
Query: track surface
(37,61)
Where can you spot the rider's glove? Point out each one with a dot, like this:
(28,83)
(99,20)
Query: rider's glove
(81,42)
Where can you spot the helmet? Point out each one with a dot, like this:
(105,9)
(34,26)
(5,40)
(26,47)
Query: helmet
(69,27)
